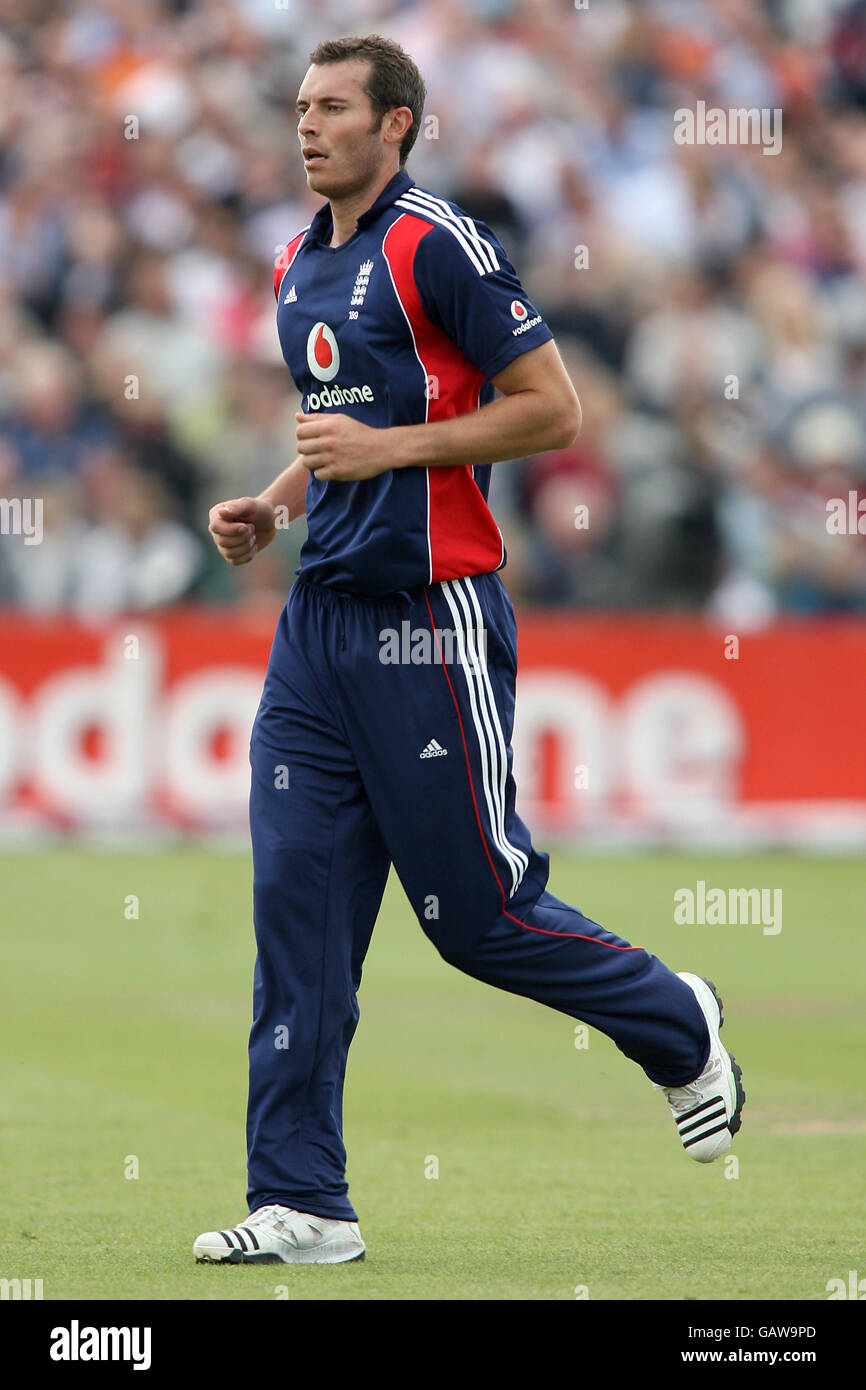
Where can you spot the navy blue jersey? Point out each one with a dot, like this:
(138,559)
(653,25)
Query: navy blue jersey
(405,322)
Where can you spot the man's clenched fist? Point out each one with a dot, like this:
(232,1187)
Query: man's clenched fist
(337,448)
(242,527)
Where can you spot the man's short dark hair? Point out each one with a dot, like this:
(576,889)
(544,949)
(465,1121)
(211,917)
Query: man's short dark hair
(393,79)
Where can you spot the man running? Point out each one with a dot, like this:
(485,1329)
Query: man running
(383,734)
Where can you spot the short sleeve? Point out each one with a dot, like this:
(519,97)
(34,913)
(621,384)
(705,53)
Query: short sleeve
(470,290)
(285,258)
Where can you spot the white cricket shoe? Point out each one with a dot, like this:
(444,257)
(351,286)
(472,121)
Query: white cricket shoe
(708,1111)
(281,1235)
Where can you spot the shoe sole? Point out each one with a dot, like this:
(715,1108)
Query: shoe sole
(266,1257)
(737,1118)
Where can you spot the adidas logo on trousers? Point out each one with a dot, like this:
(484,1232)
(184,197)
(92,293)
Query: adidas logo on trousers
(434,749)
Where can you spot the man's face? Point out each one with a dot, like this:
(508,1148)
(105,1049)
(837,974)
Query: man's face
(337,121)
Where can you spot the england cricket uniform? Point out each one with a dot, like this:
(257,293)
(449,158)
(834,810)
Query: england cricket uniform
(384,730)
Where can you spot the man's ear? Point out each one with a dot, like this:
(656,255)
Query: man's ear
(398,123)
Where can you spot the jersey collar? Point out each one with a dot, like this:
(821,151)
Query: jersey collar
(321,225)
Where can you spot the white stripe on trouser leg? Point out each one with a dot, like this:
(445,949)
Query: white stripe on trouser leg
(521,856)
(484,746)
(500,762)
(492,781)
(478,666)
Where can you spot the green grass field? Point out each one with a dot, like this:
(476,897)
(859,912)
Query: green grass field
(559,1168)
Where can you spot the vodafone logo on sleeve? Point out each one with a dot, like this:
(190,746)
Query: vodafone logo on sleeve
(520,312)
(323,355)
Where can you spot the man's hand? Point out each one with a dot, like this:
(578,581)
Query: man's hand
(339,448)
(241,528)
(539,410)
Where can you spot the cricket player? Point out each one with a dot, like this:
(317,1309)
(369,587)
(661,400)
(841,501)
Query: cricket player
(384,730)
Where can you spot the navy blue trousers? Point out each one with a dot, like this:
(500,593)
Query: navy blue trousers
(383,736)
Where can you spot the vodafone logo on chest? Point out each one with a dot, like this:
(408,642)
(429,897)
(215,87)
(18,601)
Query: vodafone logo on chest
(323,355)
(323,360)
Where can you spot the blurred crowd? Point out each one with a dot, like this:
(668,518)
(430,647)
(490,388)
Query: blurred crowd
(709,300)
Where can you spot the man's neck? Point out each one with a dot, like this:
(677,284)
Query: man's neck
(346,211)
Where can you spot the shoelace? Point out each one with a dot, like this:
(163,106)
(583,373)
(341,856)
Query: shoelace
(280,1220)
(681,1097)
(273,1215)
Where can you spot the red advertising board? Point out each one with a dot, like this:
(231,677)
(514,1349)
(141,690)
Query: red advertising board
(636,727)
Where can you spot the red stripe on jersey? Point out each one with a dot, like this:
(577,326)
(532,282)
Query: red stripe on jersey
(463,537)
(284,260)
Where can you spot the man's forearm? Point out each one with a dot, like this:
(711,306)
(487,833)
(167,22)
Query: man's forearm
(289,490)
(538,410)
(512,427)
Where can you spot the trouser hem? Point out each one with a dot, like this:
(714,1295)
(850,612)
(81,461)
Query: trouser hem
(333,1211)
